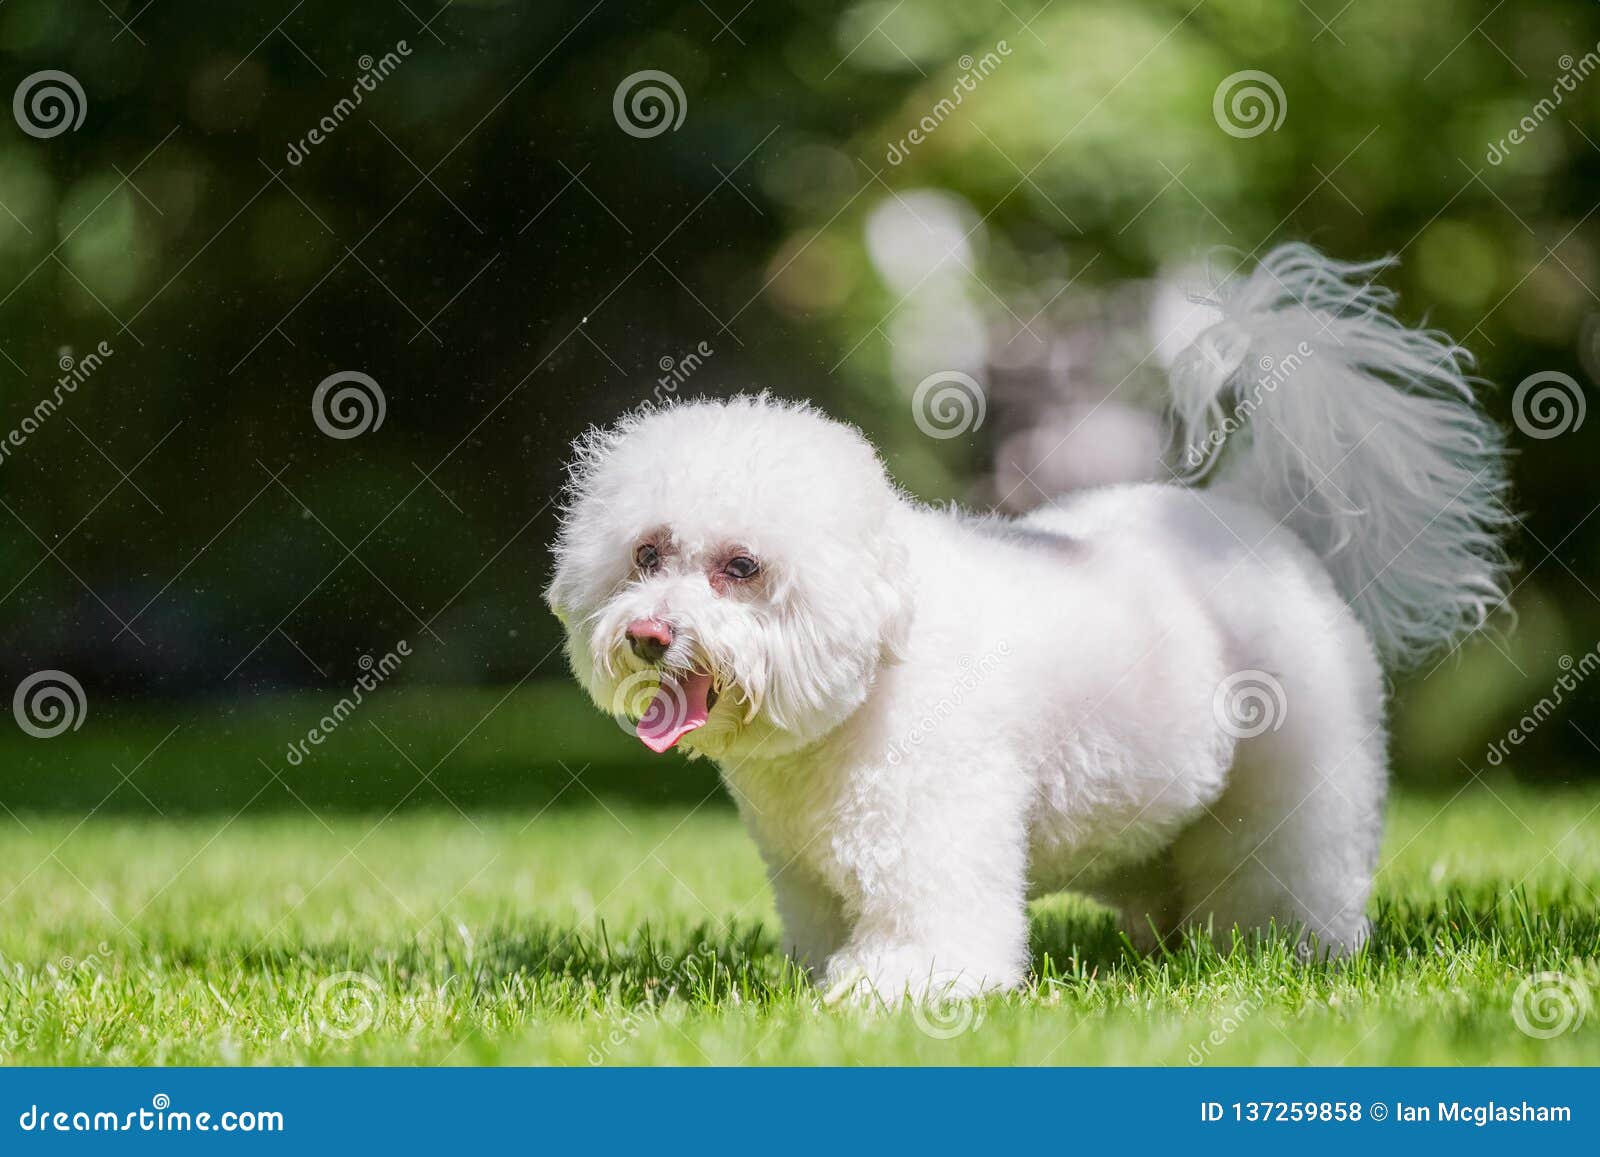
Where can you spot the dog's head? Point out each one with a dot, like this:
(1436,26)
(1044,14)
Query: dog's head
(727,574)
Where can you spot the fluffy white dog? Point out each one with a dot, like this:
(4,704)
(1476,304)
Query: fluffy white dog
(1168,696)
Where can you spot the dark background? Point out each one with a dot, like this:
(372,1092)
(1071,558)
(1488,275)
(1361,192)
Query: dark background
(483,239)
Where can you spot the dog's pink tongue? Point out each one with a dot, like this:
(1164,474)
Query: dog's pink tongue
(677,709)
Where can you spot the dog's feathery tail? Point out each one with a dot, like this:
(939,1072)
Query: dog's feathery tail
(1361,434)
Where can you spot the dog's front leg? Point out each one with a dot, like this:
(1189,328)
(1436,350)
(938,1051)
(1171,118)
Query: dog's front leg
(813,922)
(939,903)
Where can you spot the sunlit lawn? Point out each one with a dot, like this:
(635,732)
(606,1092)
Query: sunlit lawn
(571,923)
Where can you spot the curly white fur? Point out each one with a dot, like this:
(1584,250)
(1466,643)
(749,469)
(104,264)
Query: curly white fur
(1155,694)
(1373,451)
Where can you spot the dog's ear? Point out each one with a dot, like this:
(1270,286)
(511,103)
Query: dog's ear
(580,543)
(556,603)
(841,616)
(561,593)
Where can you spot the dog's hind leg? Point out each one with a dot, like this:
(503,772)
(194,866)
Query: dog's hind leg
(1293,841)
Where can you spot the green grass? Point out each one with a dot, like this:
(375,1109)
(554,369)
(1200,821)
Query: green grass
(578,922)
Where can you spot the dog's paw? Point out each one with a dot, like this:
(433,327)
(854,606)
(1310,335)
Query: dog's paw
(886,978)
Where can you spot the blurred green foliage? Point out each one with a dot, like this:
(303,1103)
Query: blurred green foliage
(482,238)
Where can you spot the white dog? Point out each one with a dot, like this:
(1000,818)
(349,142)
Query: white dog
(1166,696)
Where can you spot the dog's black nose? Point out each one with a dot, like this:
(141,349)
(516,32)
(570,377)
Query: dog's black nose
(649,638)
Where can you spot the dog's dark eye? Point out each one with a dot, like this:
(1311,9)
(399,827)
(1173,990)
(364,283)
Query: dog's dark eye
(741,566)
(647,557)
